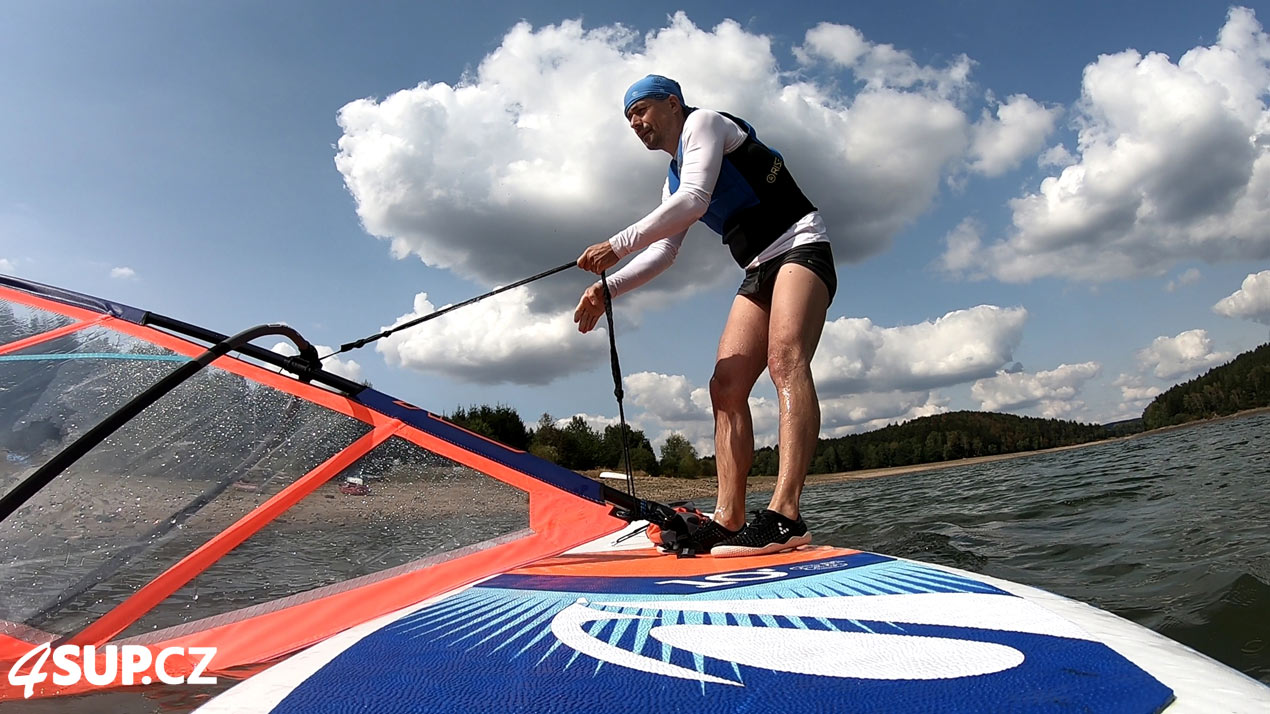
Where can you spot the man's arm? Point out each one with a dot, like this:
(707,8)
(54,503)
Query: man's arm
(641,269)
(651,262)
(706,137)
(702,142)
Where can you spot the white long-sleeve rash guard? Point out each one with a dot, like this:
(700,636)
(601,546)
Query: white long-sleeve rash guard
(706,137)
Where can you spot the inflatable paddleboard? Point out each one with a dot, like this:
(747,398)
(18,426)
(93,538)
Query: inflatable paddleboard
(157,457)
(616,626)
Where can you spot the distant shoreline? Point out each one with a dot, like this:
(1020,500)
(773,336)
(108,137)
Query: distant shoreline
(390,499)
(670,488)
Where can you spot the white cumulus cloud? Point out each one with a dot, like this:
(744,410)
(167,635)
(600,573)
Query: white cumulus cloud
(867,376)
(1135,393)
(1191,275)
(1186,354)
(1055,157)
(856,356)
(881,66)
(856,413)
(1251,301)
(669,397)
(1172,164)
(1019,129)
(7,265)
(1053,393)
(526,159)
(123,273)
(671,403)
(494,341)
(961,249)
(529,156)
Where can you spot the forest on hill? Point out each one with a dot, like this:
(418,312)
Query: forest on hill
(941,437)
(1243,383)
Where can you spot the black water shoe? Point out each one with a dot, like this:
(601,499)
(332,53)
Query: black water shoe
(704,539)
(769,532)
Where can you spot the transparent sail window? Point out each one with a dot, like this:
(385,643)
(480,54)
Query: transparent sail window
(182,471)
(18,321)
(54,391)
(395,506)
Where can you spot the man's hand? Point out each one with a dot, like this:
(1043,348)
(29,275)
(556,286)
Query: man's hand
(598,258)
(590,308)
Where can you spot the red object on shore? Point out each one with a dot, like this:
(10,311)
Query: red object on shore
(354,489)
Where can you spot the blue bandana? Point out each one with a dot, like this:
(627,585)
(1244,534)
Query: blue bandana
(654,86)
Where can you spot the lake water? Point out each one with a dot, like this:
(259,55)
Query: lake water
(1170,530)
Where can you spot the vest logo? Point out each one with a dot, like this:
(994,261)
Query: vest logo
(776,169)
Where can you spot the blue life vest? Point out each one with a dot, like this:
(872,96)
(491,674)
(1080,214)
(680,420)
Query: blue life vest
(755,200)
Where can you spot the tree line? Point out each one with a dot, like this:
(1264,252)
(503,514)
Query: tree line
(942,437)
(579,446)
(1243,383)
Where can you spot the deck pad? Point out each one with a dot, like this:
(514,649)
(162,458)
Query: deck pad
(818,629)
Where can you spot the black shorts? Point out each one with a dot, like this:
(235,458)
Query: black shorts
(816,257)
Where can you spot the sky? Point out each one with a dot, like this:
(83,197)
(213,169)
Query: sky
(1046,209)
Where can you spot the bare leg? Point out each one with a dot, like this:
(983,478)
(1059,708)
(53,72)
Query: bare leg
(799,304)
(741,359)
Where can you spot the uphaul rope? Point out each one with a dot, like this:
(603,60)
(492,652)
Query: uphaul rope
(629,506)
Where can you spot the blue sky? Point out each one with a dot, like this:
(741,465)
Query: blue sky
(1045,209)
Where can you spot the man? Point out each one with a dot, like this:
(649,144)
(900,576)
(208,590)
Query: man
(722,175)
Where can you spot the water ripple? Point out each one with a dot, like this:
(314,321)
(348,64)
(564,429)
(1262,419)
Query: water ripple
(1169,529)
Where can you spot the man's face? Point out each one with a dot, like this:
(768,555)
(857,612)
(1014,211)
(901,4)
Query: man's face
(657,123)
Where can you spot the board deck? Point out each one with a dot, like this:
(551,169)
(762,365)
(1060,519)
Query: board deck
(618,627)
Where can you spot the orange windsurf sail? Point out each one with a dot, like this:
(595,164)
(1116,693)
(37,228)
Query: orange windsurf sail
(244,509)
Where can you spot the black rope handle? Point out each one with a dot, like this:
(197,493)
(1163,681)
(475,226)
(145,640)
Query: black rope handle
(617,383)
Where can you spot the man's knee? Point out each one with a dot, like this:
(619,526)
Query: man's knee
(729,387)
(787,363)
